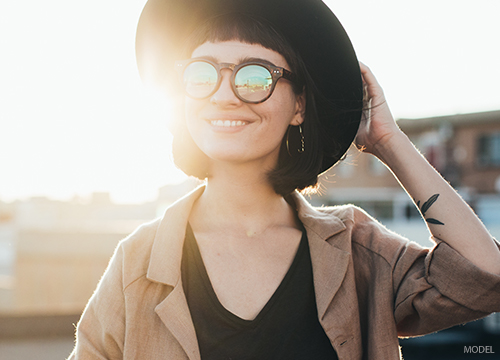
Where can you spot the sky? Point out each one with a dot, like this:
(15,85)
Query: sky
(75,118)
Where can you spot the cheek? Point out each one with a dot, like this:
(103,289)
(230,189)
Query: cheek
(191,108)
(281,113)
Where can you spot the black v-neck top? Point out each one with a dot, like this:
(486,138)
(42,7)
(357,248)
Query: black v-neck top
(286,328)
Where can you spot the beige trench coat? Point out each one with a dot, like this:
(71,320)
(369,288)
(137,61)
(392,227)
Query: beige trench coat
(371,285)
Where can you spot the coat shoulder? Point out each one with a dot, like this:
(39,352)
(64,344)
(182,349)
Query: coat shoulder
(136,249)
(369,235)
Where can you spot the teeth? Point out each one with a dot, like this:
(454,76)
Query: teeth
(226,123)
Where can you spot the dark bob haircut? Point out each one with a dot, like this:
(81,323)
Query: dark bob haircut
(294,170)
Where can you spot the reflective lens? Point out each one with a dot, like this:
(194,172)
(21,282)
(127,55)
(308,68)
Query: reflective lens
(253,82)
(200,79)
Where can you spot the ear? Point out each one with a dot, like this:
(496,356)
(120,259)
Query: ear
(300,109)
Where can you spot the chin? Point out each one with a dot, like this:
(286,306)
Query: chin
(227,156)
(240,152)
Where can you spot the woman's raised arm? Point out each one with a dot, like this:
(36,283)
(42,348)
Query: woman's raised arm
(448,217)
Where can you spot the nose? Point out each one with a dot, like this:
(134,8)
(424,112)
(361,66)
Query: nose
(224,96)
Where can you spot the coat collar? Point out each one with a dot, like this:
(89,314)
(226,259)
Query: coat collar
(165,261)
(166,254)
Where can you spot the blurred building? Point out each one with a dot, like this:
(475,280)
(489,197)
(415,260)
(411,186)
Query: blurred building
(53,253)
(464,148)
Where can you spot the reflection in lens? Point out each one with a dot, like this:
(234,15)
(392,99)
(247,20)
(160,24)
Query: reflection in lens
(253,82)
(200,79)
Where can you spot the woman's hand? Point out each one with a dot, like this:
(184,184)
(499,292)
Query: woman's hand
(377,127)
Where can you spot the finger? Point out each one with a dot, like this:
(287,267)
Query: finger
(368,76)
(373,87)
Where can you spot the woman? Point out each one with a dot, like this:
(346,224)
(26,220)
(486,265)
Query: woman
(244,267)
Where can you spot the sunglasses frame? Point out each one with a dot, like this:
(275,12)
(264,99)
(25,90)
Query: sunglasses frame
(276,72)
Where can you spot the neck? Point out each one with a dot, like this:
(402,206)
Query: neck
(240,198)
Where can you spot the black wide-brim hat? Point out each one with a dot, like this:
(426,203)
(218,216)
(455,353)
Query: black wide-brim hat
(309,26)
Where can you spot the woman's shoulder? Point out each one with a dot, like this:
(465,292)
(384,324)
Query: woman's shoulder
(369,235)
(141,236)
(136,250)
(351,215)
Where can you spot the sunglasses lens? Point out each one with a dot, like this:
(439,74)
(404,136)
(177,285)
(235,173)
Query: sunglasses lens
(200,79)
(253,82)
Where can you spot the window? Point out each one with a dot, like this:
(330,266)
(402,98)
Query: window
(489,149)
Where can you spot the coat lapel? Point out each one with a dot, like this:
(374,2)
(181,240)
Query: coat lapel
(174,313)
(329,268)
(329,260)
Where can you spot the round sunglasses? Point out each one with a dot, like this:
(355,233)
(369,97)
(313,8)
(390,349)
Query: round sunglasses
(252,82)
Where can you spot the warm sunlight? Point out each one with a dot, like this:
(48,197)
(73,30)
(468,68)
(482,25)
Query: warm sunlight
(75,118)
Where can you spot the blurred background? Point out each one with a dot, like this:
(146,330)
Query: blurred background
(85,151)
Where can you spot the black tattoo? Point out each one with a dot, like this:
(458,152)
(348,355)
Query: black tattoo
(434,221)
(426,207)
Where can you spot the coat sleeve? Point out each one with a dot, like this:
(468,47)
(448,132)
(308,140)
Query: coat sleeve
(438,288)
(428,289)
(100,331)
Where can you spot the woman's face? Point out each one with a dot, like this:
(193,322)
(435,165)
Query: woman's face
(255,131)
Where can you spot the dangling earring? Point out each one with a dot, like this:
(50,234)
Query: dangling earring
(302,147)
(287,134)
(301,150)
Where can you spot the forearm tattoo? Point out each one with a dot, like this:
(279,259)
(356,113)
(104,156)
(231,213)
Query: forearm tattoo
(426,205)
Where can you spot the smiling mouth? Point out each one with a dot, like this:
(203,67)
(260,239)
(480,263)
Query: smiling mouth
(227,123)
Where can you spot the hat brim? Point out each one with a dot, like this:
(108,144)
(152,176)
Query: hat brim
(310,27)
